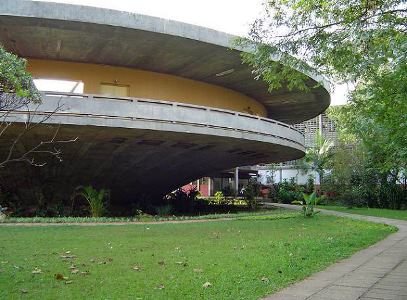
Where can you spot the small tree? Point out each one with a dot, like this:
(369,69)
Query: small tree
(18,94)
(250,192)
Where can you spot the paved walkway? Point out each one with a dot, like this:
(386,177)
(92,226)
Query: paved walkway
(378,272)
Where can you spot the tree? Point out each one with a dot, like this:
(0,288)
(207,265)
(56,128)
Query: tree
(362,42)
(18,94)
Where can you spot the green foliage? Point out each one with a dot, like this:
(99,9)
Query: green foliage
(183,200)
(357,179)
(317,157)
(219,196)
(14,79)
(287,191)
(310,201)
(251,192)
(96,200)
(164,210)
(310,186)
(360,42)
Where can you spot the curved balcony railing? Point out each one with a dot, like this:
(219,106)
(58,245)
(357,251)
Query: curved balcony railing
(133,109)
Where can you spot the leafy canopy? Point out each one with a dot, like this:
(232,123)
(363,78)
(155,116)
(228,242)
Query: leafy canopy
(362,42)
(14,79)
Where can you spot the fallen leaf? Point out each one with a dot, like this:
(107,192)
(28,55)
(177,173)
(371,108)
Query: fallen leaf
(136,268)
(24,291)
(68,282)
(74,271)
(160,286)
(85,273)
(68,252)
(36,271)
(207,284)
(198,270)
(182,263)
(67,256)
(60,277)
(264,279)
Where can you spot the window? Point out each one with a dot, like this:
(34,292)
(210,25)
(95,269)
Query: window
(56,85)
(115,90)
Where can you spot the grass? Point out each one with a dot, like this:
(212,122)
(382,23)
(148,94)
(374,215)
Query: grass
(376,212)
(241,259)
(142,218)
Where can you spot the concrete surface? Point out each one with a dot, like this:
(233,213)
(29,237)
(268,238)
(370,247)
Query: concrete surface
(140,149)
(67,32)
(377,272)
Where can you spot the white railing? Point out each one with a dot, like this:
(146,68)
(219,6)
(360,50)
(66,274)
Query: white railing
(168,112)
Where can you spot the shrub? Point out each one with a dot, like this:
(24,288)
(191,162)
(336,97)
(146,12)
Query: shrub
(96,200)
(310,201)
(250,192)
(219,197)
(164,210)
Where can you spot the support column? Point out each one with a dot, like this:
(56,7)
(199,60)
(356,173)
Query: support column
(320,128)
(237,181)
(209,186)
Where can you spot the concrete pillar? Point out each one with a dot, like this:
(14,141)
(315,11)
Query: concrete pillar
(209,186)
(320,124)
(237,181)
(281,174)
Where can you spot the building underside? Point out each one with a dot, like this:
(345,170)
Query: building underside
(164,103)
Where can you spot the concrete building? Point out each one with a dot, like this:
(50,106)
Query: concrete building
(155,103)
(289,169)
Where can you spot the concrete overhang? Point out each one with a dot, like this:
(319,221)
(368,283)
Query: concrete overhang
(135,146)
(67,32)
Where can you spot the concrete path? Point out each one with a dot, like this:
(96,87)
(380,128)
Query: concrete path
(378,272)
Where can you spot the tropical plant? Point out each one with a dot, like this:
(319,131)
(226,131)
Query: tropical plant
(96,200)
(317,157)
(309,203)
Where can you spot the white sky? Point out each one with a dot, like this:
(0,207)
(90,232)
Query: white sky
(231,16)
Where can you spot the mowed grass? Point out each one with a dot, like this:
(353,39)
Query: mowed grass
(375,212)
(241,259)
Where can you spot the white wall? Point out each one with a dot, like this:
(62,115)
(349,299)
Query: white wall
(286,174)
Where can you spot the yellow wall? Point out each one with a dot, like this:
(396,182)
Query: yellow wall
(145,84)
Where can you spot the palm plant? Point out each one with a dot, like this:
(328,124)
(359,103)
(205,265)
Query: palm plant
(95,200)
(317,157)
(309,203)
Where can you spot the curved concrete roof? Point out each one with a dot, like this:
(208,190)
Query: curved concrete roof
(96,35)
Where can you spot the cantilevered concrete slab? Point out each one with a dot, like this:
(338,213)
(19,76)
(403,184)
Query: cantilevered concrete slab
(140,147)
(65,32)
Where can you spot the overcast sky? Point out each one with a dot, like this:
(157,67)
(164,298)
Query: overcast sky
(231,16)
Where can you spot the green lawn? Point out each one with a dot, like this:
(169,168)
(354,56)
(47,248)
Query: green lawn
(376,212)
(241,259)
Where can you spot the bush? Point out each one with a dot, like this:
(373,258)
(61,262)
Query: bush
(96,200)
(250,192)
(287,191)
(164,210)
